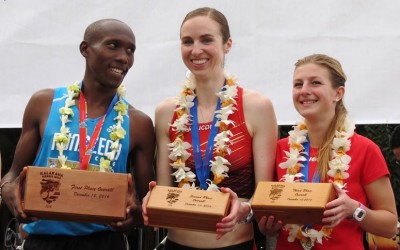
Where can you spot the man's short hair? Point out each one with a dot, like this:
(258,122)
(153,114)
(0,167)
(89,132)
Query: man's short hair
(395,138)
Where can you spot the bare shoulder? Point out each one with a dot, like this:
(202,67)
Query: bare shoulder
(39,106)
(258,112)
(43,95)
(167,105)
(255,101)
(165,111)
(138,117)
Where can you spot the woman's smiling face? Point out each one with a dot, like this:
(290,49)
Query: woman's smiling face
(313,92)
(202,47)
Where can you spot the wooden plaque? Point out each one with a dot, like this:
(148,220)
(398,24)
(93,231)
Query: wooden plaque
(197,210)
(74,195)
(292,202)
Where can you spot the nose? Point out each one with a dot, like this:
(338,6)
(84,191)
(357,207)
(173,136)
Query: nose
(125,57)
(197,49)
(305,89)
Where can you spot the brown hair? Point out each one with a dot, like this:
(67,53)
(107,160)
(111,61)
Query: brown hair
(214,15)
(338,78)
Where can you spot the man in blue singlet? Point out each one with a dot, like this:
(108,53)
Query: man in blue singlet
(119,138)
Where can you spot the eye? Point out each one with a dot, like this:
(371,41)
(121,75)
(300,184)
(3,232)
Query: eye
(316,83)
(131,50)
(297,84)
(186,41)
(207,40)
(112,45)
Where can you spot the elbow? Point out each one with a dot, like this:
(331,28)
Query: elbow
(391,231)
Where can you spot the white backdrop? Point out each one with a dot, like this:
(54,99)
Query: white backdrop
(39,49)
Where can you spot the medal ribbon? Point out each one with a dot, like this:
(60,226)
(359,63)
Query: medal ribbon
(305,170)
(85,150)
(202,165)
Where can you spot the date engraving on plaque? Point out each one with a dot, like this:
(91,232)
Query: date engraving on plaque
(91,191)
(199,201)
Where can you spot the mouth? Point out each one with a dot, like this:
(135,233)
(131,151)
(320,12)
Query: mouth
(307,102)
(117,71)
(199,61)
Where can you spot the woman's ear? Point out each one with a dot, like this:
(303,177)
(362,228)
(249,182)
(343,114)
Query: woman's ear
(228,46)
(339,93)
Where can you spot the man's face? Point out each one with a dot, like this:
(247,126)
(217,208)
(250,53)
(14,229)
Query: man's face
(396,152)
(111,54)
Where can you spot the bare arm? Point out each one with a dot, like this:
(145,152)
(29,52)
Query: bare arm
(34,121)
(142,147)
(381,197)
(383,210)
(261,121)
(163,117)
(261,124)
(142,154)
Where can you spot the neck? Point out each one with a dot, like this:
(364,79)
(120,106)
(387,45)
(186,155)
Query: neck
(97,99)
(206,90)
(317,132)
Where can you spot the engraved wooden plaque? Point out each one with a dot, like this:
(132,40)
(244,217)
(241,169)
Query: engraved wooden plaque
(292,202)
(197,210)
(74,195)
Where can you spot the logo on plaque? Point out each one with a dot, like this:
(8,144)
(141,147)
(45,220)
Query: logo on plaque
(50,186)
(172,197)
(276,192)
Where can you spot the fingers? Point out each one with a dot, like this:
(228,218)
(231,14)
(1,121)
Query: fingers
(228,223)
(122,225)
(130,183)
(269,226)
(338,190)
(234,210)
(262,224)
(145,200)
(12,197)
(152,184)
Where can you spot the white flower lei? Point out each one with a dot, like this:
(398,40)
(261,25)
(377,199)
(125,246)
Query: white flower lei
(117,134)
(338,167)
(179,147)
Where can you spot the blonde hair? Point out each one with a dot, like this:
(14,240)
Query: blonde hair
(338,79)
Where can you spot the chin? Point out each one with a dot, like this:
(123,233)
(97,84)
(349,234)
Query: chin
(306,113)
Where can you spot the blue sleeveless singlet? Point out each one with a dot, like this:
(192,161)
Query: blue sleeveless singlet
(47,157)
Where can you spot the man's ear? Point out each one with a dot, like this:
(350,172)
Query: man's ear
(83,48)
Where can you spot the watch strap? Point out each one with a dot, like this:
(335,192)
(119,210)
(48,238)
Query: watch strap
(249,217)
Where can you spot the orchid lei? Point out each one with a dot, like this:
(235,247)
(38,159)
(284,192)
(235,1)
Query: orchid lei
(337,170)
(117,134)
(179,147)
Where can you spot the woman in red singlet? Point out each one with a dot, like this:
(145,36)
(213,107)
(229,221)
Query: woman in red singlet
(324,148)
(225,135)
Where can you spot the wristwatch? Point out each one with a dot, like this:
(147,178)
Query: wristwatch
(249,217)
(360,212)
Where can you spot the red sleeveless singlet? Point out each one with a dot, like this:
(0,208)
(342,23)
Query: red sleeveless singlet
(241,171)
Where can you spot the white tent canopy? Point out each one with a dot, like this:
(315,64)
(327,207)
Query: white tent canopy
(39,49)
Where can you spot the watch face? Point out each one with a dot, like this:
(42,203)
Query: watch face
(359,214)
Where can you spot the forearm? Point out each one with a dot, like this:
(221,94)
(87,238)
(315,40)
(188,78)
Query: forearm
(380,222)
